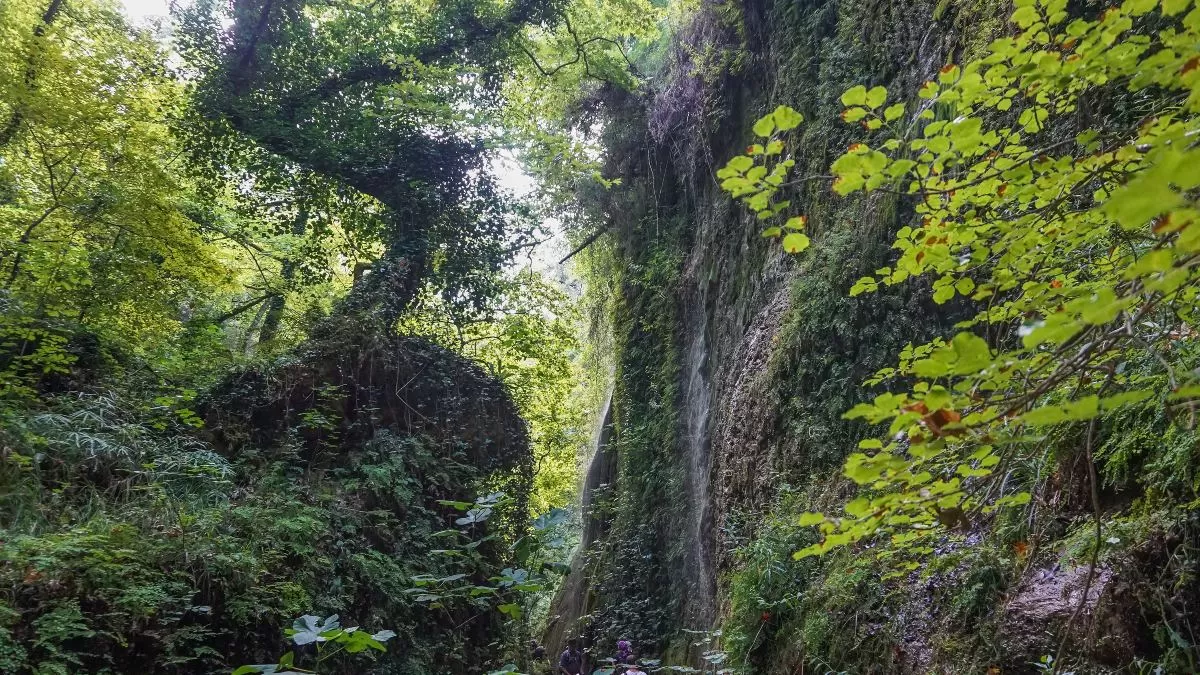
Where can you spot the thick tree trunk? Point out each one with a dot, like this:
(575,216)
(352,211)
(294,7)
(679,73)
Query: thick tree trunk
(274,316)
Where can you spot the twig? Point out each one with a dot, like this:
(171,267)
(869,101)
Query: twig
(1095,561)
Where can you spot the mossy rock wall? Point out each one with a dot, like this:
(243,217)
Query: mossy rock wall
(737,359)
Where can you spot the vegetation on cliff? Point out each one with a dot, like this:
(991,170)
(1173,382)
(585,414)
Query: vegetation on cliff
(1013,512)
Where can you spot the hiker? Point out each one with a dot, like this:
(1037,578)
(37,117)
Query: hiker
(624,651)
(536,651)
(632,668)
(571,661)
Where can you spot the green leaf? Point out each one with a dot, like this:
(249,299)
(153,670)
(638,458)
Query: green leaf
(1025,16)
(809,551)
(894,112)
(856,95)
(1083,409)
(1100,308)
(1054,329)
(876,97)
(795,242)
(859,507)
(765,126)
(309,629)
(1136,204)
(1124,398)
(786,118)
(854,114)
(948,74)
(1033,120)
(1138,7)
(1154,261)
(848,183)
(740,163)
(1018,499)
(861,469)
(810,519)
(1185,392)
(511,609)
(972,353)
(900,167)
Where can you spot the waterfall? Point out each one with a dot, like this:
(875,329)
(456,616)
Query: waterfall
(696,448)
(572,600)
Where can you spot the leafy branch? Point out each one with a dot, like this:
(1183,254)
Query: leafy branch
(1083,248)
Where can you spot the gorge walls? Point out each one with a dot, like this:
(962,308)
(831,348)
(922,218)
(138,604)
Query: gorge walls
(735,363)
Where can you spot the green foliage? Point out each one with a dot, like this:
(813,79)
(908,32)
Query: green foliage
(158,227)
(162,537)
(372,120)
(632,572)
(588,46)
(94,239)
(328,637)
(757,183)
(531,345)
(1080,244)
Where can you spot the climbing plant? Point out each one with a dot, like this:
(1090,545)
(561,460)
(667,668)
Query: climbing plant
(1054,182)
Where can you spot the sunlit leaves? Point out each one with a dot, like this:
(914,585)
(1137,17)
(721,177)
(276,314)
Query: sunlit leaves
(92,228)
(758,183)
(1079,252)
(786,118)
(765,126)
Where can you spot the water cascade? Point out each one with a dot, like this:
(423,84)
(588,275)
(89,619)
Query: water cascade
(699,609)
(573,599)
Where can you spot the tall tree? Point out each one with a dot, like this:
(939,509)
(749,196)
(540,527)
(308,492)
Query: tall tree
(391,99)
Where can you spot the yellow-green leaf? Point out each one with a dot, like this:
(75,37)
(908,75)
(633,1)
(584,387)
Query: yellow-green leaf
(856,95)
(795,242)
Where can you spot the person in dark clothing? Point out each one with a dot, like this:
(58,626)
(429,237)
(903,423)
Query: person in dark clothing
(571,661)
(537,651)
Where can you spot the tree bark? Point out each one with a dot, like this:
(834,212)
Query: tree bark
(270,324)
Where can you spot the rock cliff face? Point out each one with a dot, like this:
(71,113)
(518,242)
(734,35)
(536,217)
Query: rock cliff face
(735,363)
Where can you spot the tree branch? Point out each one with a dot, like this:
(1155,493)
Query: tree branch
(586,242)
(243,308)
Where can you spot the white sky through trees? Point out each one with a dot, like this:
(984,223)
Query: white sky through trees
(144,9)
